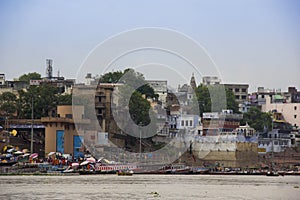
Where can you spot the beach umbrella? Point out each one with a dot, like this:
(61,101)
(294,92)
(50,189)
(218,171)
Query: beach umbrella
(25,150)
(8,155)
(26,154)
(7,147)
(34,155)
(91,159)
(18,152)
(75,164)
(84,163)
(10,150)
(51,153)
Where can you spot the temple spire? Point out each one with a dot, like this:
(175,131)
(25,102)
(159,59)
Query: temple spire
(193,82)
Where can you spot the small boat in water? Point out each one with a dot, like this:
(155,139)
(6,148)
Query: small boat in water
(272,173)
(125,173)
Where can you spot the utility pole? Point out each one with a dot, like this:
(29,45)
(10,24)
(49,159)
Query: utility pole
(141,124)
(140,144)
(31,142)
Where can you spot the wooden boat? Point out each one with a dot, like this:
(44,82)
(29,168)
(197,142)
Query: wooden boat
(125,173)
(272,173)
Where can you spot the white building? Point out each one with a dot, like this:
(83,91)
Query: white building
(159,87)
(2,79)
(191,123)
(275,142)
(211,80)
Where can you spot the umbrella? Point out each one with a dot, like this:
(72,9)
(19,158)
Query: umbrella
(75,164)
(26,154)
(84,163)
(91,159)
(51,153)
(18,152)
(6,147)
(25,150)
(10,150)
(34,155)
(8,155)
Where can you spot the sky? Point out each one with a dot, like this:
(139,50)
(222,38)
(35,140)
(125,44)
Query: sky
(254,42)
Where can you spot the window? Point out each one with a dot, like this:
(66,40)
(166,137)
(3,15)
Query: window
(295,107)
(244,97)
(244,90)
(236,89)
(186,123)
(191,123)
(69,116)
(237,96)
(182,123)
(295,116)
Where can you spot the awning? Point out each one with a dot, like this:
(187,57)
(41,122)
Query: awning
(26,126)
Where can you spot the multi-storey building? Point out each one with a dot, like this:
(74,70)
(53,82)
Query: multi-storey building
(290,111)
(240,91)
(61,134)
(214,123)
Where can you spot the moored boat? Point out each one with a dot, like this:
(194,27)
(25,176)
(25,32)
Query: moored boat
(125,173)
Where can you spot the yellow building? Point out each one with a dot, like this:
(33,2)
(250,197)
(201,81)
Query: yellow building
(61,134)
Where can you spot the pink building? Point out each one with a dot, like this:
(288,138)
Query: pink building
(290,111)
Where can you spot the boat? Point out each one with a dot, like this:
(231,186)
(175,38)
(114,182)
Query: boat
(272,173)
(125,173)
(179,169)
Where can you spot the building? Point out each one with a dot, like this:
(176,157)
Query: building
(258,98)
(61,134)
(290,111)
(275,141)
(211,80)
(214,123)
(160,87)
(240,91)
(22,140)
(2,79)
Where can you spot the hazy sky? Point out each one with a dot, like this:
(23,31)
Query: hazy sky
(251,41)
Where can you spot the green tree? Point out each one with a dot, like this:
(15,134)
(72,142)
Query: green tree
(111,77)
(64,99)
(8,103)
(231,103)
(204,99)
(44,97)
(221,99)
(257,119)
(30,76)
(132,78)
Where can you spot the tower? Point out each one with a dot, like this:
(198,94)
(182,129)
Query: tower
(193,82)
(49,69)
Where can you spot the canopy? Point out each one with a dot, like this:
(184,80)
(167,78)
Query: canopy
(18,153)
(91,159)
(34,155)
(84,163)
(10,150)
(51,153)
(75,164)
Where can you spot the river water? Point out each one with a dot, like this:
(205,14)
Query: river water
(149,187)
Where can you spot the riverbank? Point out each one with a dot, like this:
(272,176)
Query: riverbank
(171,187)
